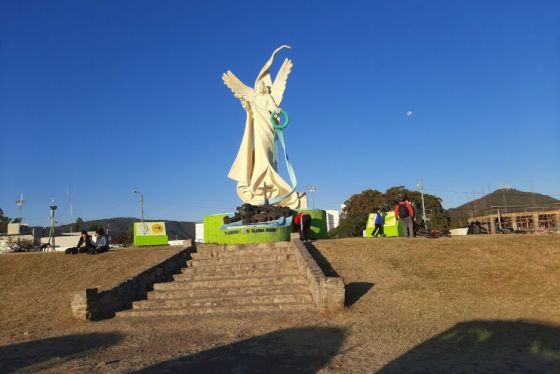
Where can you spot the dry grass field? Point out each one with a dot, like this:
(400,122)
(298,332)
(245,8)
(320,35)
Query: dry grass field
(36,288)
(469,304)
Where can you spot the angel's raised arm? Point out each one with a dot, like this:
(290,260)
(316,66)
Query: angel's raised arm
(239,89)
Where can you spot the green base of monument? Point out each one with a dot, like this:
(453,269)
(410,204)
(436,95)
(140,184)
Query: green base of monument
(244,234)
(141,241)
(213,234)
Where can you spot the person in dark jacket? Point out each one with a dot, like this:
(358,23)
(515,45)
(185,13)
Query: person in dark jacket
(414,225)
(378,221)
(303,224)
(404,213)
(84,244)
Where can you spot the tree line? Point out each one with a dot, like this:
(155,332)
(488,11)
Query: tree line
(359,206)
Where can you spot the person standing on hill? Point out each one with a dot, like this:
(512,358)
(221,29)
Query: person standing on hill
(378,221)
(404,213)
(413,217)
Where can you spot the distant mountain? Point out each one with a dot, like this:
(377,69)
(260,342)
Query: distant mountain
(507,200)
(123,225)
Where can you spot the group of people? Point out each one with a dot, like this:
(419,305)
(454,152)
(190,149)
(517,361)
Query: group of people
(86,244)
(404,212)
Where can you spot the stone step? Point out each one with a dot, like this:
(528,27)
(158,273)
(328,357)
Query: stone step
(223,301)
(240,266)
(284,280)
(237,259)
(227,291)
(207,254)
(177,312)
(237,274)
(235,247)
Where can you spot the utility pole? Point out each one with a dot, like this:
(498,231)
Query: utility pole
(312,188)
(141,202)
(19,203)
(424,218)
(51,232)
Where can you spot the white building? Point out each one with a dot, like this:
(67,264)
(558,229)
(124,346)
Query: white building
(333,219)
(199,232)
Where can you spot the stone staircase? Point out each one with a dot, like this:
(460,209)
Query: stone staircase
(231,279)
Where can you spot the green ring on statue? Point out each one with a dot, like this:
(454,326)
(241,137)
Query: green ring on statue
(279,126)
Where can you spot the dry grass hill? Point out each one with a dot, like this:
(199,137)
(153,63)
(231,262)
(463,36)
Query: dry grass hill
(468,304)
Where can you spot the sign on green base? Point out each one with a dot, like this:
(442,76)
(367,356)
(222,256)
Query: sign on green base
(252,234)
(392,226)
(149,233)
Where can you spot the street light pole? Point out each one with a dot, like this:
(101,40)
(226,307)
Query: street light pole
(53,222)
(19,203)
(141,202)
(312,188)
(421,187)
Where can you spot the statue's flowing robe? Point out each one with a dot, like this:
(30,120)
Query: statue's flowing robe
(254,164)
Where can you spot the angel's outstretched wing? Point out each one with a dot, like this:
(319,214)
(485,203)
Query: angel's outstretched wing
(279,85)
(239,89)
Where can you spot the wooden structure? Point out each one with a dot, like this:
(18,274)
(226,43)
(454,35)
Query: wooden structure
(520,221)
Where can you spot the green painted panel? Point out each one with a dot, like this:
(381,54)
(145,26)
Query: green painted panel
(392,226)
(148,237)
(144,240)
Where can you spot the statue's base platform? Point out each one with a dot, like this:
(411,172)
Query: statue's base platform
(250,234)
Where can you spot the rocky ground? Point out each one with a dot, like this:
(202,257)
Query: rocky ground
(470,304)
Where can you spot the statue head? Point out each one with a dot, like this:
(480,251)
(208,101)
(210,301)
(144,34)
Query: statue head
(262,88)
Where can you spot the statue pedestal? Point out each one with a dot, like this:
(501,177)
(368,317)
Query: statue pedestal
(214,233)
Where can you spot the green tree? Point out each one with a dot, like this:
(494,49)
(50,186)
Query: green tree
(3,222)
(16,220)
(359,206)
(78,225)
(93,227)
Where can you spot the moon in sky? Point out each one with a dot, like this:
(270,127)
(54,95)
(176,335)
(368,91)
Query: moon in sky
(409,113)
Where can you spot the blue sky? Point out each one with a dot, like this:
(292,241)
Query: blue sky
(100,97)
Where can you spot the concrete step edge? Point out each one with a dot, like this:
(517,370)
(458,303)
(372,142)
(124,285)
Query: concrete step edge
(224,309)
(230,288)
(236,274)
(302,293)
(284,263)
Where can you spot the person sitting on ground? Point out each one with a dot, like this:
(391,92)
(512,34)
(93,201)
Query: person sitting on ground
(84,244)
(101,243)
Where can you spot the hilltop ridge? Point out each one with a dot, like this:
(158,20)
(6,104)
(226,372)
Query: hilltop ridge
(507,200)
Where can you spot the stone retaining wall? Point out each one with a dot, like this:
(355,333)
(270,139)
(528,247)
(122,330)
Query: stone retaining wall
(327,292)
(92,304)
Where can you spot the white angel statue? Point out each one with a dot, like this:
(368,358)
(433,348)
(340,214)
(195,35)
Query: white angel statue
(255,168)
